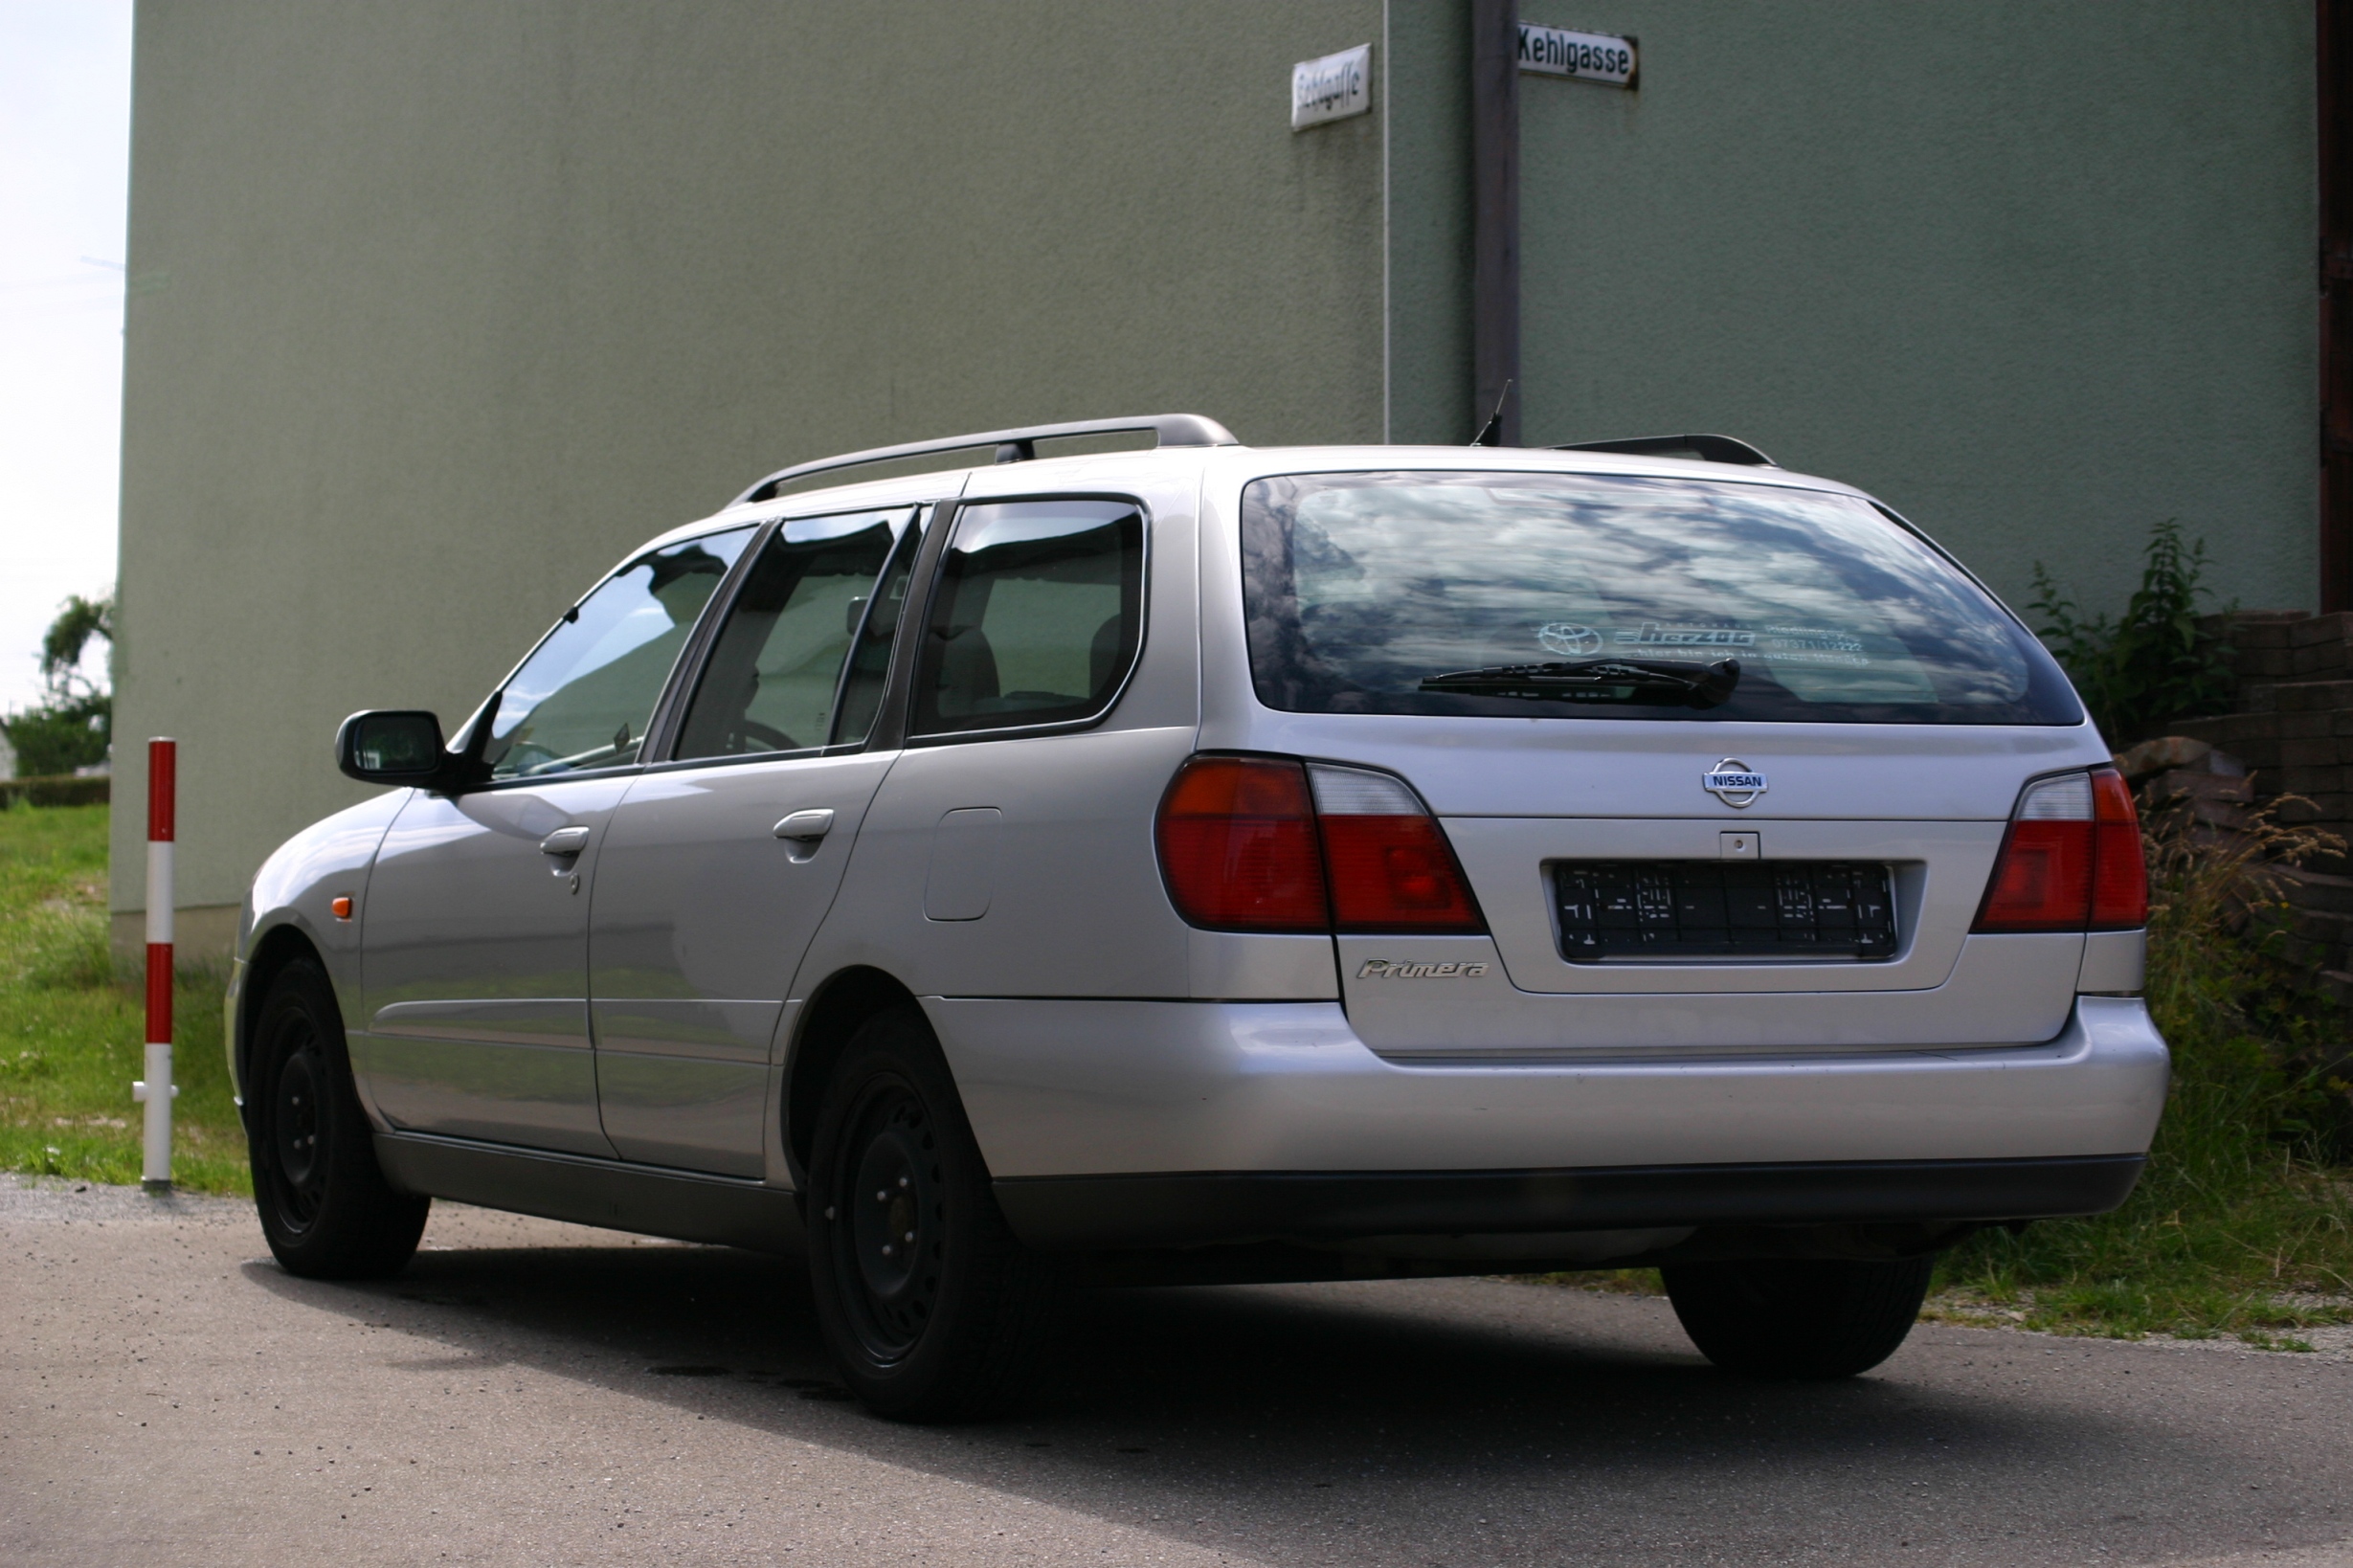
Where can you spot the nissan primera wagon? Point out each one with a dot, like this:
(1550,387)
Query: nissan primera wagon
(1206,863)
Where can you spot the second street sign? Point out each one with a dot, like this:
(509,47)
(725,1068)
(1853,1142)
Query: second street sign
(1589,57)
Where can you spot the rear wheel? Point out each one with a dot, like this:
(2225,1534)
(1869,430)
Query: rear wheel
(930,1309)
(1788,1318)
(325,1207)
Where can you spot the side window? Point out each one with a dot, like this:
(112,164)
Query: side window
(861,685)
(1038,616)
(774,679)
(583,699)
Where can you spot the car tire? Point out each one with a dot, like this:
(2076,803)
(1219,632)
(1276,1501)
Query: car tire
(930,1308)
(325,1207)
(1788,1317)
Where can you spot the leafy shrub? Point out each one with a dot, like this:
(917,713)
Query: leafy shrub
(2242,1022)
(2155,662)
(58,737)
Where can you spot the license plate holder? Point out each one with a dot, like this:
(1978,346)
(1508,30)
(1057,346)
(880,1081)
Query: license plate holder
(1682,911)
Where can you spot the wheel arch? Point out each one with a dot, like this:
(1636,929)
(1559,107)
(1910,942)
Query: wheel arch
(273,950)
(828,1021)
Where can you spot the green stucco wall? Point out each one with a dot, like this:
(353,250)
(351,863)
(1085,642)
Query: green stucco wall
(461,301)
(2039,273)
(452,303)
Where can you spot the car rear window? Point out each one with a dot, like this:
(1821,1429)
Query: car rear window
(1532,596)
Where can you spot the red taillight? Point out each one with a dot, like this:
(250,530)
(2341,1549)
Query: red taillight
(2071,860)
(1391,868)
(2120,874)
(1238,846)
(1250,845)
(2043,882)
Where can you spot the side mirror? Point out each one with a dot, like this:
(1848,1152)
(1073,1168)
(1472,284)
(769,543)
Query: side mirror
(394,746)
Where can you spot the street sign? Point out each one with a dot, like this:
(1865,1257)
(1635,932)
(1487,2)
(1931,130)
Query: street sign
(1331,88)
(1589,57)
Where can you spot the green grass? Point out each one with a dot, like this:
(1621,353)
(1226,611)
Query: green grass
(71,1035)
(2243,1223)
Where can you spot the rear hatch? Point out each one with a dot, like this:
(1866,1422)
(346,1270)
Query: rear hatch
(1727,766)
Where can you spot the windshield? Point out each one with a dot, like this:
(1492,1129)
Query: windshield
(1535,595)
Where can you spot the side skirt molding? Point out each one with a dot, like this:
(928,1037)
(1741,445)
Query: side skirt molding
(683,1204)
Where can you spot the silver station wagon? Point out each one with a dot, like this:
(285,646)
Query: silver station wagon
(1208,863)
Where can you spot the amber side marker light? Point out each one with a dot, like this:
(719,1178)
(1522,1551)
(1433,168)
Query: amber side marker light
(342,906)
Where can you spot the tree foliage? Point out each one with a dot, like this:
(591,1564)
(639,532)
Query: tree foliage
(68,636)
(2155,662)
(73,725)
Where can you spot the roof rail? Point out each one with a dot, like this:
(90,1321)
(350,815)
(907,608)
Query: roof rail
(1011,445)
(1706,448)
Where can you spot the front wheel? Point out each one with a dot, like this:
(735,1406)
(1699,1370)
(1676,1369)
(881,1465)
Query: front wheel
(930,1308)
(325,1207)
(1786,1318)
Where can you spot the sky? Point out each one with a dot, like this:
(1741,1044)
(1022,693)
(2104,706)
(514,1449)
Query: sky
(65,112)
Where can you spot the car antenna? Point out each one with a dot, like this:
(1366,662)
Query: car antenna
(1490,434)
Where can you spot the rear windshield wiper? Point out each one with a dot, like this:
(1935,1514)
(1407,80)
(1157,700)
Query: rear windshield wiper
(1598,681)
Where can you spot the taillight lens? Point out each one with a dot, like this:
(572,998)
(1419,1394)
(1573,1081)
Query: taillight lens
(2071,860)
(1392,870)
(1268,844)
(2119,873)
(1238,849)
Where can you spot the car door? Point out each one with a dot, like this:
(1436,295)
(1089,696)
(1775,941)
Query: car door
(1010,852)
(717,867)
(474,938)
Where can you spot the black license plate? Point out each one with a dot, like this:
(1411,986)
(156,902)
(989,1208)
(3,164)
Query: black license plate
(1668,910)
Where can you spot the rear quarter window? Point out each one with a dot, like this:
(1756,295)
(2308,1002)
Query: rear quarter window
(1519,596)
(1038,617)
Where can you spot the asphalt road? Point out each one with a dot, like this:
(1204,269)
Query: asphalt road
(536,1393)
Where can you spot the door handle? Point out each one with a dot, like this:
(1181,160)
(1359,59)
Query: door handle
(806,825)
(565,841)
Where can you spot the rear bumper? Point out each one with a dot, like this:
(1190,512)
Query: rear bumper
(1176,1098)
(1322,1207)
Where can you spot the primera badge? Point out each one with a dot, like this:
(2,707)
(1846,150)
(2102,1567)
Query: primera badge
(1392,969)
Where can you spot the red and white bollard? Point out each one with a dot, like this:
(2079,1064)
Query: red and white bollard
(157,1090)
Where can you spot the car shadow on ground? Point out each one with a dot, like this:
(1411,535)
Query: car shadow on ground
(1414,1420)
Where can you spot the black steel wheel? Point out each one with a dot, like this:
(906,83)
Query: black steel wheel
(298,1175)
(895,1237)
(325,1208)
(1790,1317)
(931,1309)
